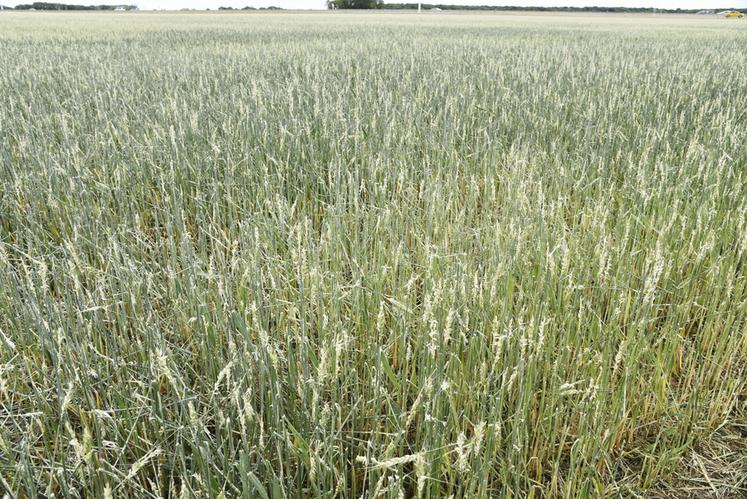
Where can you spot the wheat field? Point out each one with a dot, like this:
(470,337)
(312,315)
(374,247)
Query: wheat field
(372,255)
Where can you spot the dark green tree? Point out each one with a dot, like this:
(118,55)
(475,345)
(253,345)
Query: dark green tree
(354,4)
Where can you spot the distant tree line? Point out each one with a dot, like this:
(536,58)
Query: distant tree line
(378,4)
(63,6)
(355,4)
(635,10)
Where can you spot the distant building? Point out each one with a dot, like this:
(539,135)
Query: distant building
(707,11)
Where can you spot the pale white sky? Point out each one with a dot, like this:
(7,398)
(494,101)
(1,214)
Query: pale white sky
(320,4)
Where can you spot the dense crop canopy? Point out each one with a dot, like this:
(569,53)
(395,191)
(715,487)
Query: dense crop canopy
(365,255)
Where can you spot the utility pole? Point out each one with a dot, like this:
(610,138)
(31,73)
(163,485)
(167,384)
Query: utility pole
(420,7)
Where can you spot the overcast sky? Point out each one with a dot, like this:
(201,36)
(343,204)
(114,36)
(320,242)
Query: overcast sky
(320,4)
